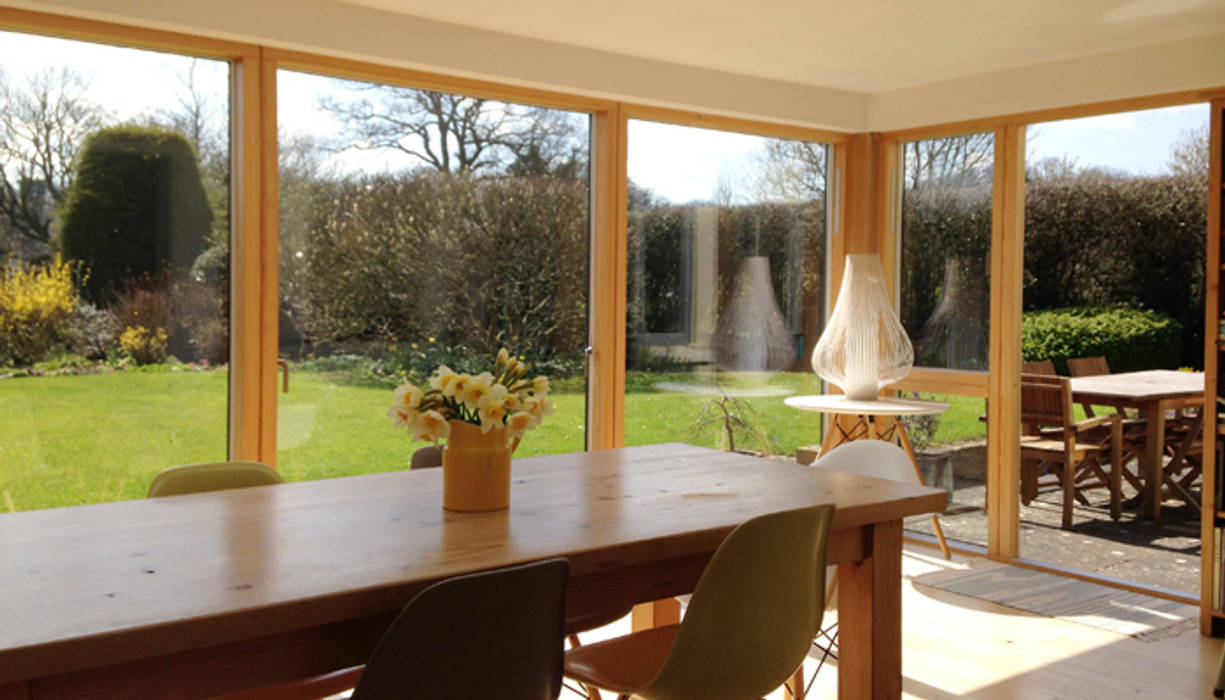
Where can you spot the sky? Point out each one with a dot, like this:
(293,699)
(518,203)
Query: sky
(679,164)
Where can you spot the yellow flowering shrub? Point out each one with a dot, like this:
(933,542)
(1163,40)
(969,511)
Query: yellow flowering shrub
(144,346)
(35,303)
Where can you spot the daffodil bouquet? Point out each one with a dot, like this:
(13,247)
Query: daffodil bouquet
(504,397)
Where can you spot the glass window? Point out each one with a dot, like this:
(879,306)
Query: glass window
(726,287)
(114,283)
(417,229)
(945,246)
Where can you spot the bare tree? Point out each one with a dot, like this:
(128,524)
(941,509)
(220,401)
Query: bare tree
(949,160)
(42,127)
(453,133)
(791,170)
(1189,156)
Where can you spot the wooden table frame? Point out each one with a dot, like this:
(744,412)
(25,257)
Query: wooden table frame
(191,596)
(1152,393)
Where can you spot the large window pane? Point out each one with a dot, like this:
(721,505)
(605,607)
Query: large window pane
(945,293)
(420,228)
(1115,219)
(114,287)
(726,287)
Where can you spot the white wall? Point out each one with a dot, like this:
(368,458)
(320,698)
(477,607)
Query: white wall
(1191,64)
(339,29)
(334,28)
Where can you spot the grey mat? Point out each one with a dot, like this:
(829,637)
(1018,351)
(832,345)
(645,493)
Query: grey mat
(1082,602)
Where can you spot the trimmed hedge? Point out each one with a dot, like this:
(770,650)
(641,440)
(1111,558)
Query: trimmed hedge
(136,209)
(1130,339)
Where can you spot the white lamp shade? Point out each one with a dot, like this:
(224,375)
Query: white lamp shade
(863,347)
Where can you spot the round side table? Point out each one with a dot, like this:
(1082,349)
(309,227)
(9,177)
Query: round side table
(875,420)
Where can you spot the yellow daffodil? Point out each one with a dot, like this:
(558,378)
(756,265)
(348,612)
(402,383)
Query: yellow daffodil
(502,359)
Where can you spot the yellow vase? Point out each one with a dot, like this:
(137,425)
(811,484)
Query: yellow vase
(475,469)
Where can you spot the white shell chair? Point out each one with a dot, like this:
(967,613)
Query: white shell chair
(874,458)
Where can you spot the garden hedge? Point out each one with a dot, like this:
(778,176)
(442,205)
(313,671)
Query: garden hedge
(1130,339)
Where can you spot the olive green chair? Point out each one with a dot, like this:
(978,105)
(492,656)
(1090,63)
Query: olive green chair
(211,476)
(749,624)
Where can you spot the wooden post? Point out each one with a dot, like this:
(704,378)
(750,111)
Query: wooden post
(1004,404)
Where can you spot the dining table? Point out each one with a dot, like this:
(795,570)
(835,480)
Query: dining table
(1152,393)
(198,595)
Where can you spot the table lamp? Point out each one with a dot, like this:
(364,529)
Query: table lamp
(863,347)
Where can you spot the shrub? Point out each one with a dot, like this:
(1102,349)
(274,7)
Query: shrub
(144,346)
(35,303)
(478,262)
(1130,339)
(91,332)
(191,312)
(135,209)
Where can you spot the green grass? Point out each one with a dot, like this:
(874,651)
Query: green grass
(71,440)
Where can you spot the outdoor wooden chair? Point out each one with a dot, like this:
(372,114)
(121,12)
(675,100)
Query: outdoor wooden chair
(1038,367)
(1071,452)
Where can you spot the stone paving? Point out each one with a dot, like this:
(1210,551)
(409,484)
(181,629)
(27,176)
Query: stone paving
(1163,553)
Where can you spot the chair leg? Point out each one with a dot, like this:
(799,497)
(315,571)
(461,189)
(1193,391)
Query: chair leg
(1116,473)
(1069,493)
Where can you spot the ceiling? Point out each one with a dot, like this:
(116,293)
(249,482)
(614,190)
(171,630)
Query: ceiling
(861,45)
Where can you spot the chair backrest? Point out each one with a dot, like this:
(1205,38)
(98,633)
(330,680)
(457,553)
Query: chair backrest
(875,458)
(426,457)
(211,476)
(754,611)
(494,634)
(1038,367)
(1046,400)
(1088,366)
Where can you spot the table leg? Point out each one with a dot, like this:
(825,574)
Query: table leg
(904,439)
(870,613)
(1154,450)
(666,611)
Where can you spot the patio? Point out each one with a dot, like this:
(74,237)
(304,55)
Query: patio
(1163,553)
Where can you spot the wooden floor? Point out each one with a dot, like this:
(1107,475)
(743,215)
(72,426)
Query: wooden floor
(961,647)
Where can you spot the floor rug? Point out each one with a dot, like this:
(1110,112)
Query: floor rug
(1086,603)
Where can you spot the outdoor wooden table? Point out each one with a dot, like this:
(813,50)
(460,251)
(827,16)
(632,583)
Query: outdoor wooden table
(191,596)
(1152,393)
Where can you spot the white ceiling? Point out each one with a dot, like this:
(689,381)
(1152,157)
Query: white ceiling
(862,45)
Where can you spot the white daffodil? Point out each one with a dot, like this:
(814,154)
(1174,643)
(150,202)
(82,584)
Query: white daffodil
(402,415)
(540,385)
(431,426)
(454,389)
(475,389)
(492,408)
(519,423)
(442,379)
(408,395)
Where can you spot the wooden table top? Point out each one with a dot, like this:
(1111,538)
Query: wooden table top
(139,578)
(1146,385)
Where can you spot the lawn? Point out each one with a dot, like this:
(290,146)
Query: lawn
(70,440)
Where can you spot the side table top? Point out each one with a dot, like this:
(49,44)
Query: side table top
(887,406)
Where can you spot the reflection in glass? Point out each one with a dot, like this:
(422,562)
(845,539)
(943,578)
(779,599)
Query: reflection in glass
(726,287)
(945,243)
(419,229)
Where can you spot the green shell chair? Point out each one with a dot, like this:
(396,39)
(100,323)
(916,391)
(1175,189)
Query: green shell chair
(211,476)
(749,624)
